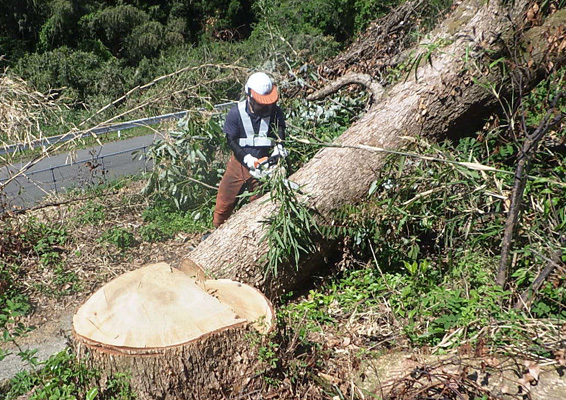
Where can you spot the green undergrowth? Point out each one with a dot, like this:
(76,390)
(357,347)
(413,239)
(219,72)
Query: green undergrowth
(14,304)
(48,243)
(421,299)
(62,377)
(163,220)
(421,252)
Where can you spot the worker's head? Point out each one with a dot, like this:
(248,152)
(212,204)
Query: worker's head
(262,94)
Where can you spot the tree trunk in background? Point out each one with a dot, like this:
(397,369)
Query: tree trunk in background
(440,98)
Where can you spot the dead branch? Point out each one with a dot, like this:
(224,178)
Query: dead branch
(552,117)
(365,80)
(71,137)
(21,109)
(22,211)
(528,295)
(377,48)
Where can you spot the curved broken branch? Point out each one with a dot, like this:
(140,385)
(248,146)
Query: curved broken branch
(365,80)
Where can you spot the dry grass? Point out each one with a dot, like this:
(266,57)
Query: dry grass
(21,111)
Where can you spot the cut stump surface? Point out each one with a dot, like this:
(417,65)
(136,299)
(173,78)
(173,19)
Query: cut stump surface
(178,319)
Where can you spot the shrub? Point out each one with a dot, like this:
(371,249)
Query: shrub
(63,377)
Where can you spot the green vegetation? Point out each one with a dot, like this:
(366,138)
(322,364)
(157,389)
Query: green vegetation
(419,255)
(92,54)
(48,243)
(429,237)
(91,213)
(13,305)
(63,378)
(292,230)
(164,220)
(187,162)
(120,237)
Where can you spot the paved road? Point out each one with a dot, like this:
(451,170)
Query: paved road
(50,339)
(58,173)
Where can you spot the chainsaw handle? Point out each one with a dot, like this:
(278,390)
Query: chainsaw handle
(269,161)
(261,161)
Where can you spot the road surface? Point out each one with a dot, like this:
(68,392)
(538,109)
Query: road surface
(58,173)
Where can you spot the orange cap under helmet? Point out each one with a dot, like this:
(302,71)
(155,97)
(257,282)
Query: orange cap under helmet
(260,88)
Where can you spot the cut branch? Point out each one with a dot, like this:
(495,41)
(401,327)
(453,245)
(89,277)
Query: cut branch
(528,295)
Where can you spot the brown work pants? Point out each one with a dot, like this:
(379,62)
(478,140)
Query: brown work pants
(235,180)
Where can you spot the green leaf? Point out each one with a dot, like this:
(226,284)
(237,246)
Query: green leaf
(91,394)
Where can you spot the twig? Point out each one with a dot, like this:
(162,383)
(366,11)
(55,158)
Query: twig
(153,82)
(53,204)
(202,183)
(527,297)
(384,280)
(468,165)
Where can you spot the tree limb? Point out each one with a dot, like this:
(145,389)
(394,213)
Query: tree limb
(365,80)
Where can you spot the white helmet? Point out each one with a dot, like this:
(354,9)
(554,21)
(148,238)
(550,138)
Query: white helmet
(260,88)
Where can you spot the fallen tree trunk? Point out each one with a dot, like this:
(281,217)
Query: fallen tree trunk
(440,97)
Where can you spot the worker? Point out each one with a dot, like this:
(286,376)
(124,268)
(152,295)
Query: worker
(254,128)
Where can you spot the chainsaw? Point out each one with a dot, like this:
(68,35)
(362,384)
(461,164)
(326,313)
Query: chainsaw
(265,166)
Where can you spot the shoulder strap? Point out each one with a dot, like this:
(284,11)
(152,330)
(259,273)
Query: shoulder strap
(251,139)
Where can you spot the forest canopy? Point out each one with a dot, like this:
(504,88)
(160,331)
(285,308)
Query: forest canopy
(91,52)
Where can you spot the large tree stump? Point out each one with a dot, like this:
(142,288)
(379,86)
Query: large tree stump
(177,335)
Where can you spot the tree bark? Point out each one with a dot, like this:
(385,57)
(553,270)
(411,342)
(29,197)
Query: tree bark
(437,99)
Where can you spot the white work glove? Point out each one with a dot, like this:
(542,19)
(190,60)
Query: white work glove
(250,162)
(256,173)
(279,150)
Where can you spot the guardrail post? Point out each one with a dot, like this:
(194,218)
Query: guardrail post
(103,171)
(144,159)
(54,180)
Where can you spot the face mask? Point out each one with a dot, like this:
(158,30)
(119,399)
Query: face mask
(262,110)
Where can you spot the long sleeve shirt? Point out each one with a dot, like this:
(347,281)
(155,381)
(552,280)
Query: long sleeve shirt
(234,130)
